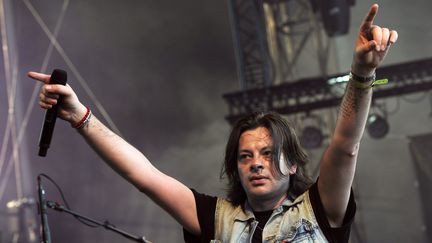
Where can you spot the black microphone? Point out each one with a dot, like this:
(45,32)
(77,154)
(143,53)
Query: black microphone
(58,76)
(46,235)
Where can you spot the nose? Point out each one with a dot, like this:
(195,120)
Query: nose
(256,167)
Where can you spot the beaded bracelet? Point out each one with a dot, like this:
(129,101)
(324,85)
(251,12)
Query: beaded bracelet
(84,120)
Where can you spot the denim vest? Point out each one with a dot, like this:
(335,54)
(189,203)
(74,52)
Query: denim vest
(293,221)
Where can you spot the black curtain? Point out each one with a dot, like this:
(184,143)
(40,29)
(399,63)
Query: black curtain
(421,152)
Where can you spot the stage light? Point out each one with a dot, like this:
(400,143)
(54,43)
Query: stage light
(312,136)
(377,126)
(12,204)
(26,201)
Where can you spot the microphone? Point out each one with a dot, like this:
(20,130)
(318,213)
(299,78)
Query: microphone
(46,235)
(58,76)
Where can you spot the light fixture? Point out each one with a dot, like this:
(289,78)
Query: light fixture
(312,136)
(18,203)
(377,126)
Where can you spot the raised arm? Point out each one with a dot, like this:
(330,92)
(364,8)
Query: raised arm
(170,194)
(339,160)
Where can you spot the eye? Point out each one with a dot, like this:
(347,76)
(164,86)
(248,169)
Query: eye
(244,156)
(268,153)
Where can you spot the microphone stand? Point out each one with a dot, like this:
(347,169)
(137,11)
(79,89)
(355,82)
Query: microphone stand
(106,225)
(46,235)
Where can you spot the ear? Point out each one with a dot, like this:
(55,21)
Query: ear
(293,169)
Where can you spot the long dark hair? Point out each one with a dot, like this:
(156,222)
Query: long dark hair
(285,141)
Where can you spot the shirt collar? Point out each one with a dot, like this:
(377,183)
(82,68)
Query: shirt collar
(245,212)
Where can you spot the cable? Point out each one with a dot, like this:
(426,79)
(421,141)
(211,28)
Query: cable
(65,201)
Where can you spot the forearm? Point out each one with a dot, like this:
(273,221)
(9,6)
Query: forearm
(117,153)
(170,194)
(352,117)
(338,163)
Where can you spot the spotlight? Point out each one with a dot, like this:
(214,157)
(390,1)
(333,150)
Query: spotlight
(311,137)
(377,126)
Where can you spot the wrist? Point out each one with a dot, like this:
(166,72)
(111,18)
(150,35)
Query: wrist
(366,83)
(84,120)
(362,71)
(77,115)
(361,79)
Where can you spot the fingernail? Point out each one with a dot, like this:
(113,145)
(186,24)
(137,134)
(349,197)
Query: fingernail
(48,87)
(377,47)
(383,47)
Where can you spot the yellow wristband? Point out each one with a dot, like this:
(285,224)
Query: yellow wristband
(361,85)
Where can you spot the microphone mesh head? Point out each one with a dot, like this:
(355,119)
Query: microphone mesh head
(58,76)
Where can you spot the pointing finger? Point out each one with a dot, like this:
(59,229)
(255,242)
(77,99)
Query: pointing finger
(368,20)
(45,78)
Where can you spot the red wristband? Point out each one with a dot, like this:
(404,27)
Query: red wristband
(84,119)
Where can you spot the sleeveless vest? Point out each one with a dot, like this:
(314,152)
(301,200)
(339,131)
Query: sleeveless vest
(293,221)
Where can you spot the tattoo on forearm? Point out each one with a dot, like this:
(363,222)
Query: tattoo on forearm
(97,125)
(351,101)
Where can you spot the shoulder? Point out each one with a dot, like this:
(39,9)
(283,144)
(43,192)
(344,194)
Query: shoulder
(226,207)
(206,206)
(202,199)
(339,234)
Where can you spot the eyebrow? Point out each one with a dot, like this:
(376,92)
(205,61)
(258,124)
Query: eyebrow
(244,151)
(249,151)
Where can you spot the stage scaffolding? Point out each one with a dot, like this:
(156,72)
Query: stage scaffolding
(17,184)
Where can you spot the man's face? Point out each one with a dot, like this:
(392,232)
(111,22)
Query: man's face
(255,166)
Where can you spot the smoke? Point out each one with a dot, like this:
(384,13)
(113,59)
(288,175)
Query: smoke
(160,69)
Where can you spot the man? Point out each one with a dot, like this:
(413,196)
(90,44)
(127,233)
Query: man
(269,198)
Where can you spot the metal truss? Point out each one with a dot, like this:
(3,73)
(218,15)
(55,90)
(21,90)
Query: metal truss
(291,27)
(247,20)
(311,94)
(269,37)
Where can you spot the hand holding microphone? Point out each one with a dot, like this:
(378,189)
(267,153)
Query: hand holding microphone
(57,77)
(67,107)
